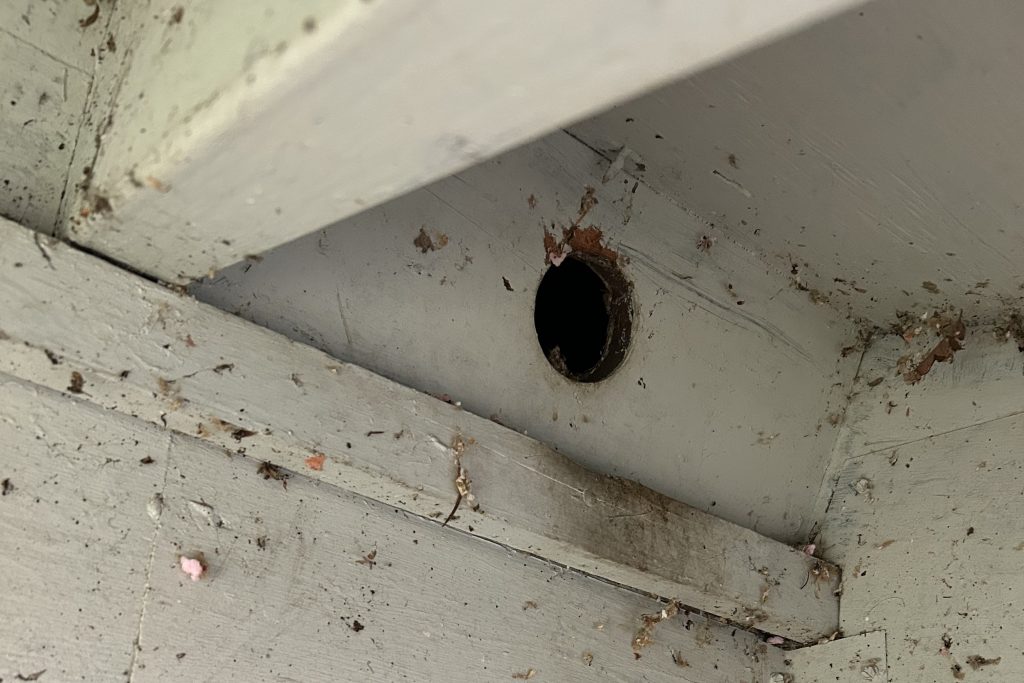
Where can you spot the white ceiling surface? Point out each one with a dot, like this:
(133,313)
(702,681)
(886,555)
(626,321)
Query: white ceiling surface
(881,148)
(696,411)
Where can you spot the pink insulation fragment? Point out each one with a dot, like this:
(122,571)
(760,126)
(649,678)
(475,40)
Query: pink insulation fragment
(194,568)
(776,640)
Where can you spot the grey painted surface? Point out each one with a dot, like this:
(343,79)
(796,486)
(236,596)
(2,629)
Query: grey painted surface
(140,349)
(47,59)
(925,518)
(879,148)
(695,412)
(94,591)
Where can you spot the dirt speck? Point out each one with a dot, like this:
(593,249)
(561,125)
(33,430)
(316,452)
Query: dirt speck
(77,383)
(508,285)
(316,461)
(525,675)
(732,161)
(86,23)
(357,626)
(529,604)
(678,658)
(242,433)
(705,242)
(269,470)
(588,658)
(531,202)
(930,286)
(369,559)
(424,242)
(30,677)
(177,14)
(6,487)
(309,24)
(148,460)
(977,661)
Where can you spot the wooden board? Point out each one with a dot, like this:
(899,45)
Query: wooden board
(41,103)
(142,350)
(76,536)
(242,125)
(924,519)
(836,154)
(693,412)
(288,593)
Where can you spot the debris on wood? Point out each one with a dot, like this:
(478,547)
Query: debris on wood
(77,382)
(220,369)
(950,330)
(885,544)
(261,542)
(776,640)
(316,461)
(645,636)
(176,15)
(272,471)
(1013,328)
(6,487)
(525,676)
(705,242)
(357,626)
(679,660)
(531,201)
(51,356)
(588,658)
(929,286)
(189,341)
(148,460)
(977,661)
(30,677)
(809,549)
(508,285)
(529,604)
(86,23)
(296,379)
(779,677)
(863,487)
(462,481)
(193,566)
(425,243)
(242,433)
(155,507)
(375,432)
(876,381)
(369,559)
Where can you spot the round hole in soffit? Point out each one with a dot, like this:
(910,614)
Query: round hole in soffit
(583,317)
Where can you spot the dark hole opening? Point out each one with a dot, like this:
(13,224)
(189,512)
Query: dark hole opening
(582,318)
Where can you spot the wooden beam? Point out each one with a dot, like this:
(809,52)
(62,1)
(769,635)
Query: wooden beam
(236,127)
(144,350)
(316,583)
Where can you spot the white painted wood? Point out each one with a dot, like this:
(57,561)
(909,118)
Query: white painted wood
(231,137)
(925,519)
(875,148)
(76,537)
(42,97)
(142,350)
(858,659)
(694,412)
(285,596)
